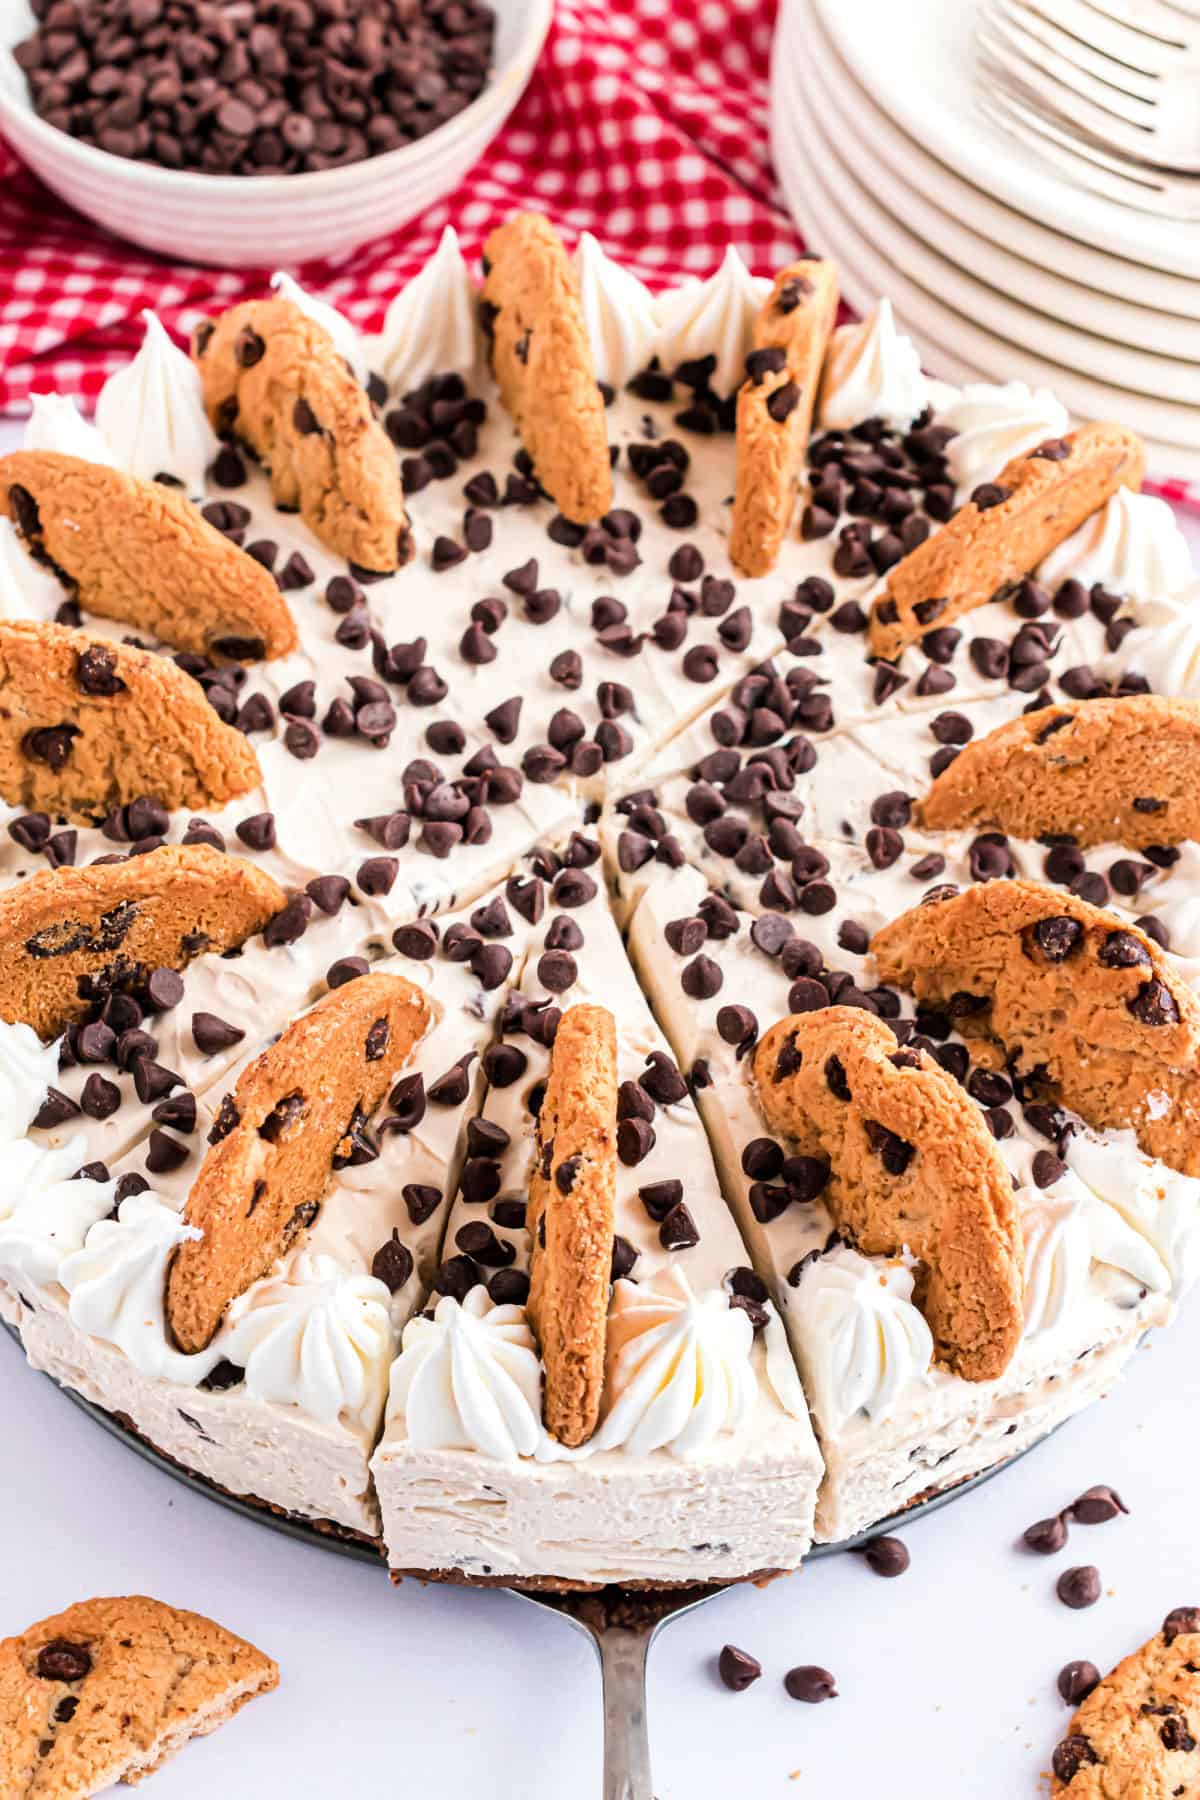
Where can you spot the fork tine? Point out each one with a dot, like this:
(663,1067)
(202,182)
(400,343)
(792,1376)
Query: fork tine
(1161,20)
(1094,61)
(1115,119)
(1013,117)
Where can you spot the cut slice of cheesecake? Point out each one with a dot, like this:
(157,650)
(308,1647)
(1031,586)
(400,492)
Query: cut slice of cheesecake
(893,1423)
(703,1466)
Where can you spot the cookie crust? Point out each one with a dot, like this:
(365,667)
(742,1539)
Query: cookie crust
(1106,771)
(109,1689)
(912,1166)
(87,724)
(775,409)
(292,1118)
(572,1208)
(68,936)
(542,361)
(274,377)
(141,552)
(1003,531)
(1080,999)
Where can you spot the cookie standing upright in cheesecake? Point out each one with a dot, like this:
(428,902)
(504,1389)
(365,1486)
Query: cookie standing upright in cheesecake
(291,1119)
(542,361)
(1101,771)
(1088,1004)
(69,937)
(572,1203)
(1005,529)
(87,724)
(910,1165)
(775,409)
(108,1690)
(273,377)
(141,552)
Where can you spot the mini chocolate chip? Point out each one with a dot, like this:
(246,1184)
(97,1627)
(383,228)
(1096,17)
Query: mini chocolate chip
(811,1683)
(886,1555)
(678,1230)
(1058,937)
(737,1668)
(1079,1587)
(1076,1680)
(1154,1004)
(1096,1506)
(62,1661)
(1071,1755)
(1046,1536)
(1181,1620)
(211,1033)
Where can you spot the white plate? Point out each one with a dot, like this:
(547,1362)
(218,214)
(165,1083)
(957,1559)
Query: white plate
(915,61)
(1108,295)
(960,350)
(1101,358)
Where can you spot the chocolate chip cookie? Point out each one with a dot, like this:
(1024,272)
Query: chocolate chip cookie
(1138,1733)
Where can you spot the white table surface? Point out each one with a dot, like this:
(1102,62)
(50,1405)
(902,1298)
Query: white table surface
(946,1675)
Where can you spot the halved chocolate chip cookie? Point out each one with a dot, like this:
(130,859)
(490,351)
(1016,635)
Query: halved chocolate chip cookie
(106,1691)
(139,551)
(1080,1001)
(572,1207)
(912,1167)
(87,725)
(296,1114)
(274,377)
(70,937)
(1138,1733)
(1104,771)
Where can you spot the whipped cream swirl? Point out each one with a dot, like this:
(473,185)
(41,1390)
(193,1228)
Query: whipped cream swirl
(56,424)
(117,1284)
(27,1068)
(151,414)
(619,312)
(312,1336)
(865,1342)
(678,1370)
(1165,647)
(346,339)
(470,1378)
(1132,546)
(1058,1253)
(1144,1217)
(430,326)
(45,1213)
(713,318)
(26,589)
(872,371)
(994,424)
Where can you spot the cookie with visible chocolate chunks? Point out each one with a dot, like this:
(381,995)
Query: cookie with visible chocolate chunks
(69,937)
(87,724)
(141,552)
(296,1114)
(108,1690)
(775,408)
(1106,771)
(541,357)
(1138,1733)
(912,1166)
(1004,530)
(274,377)
(572,1209)
(1084,1003)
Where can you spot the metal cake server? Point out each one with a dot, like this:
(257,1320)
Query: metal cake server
(621,1626)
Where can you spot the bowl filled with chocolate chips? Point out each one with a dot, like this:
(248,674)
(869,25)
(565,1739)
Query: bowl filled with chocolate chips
(254,132)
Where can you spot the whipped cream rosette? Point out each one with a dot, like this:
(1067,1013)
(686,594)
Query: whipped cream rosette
(151,414)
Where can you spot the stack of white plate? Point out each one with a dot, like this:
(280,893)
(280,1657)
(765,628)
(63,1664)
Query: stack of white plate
(997,267)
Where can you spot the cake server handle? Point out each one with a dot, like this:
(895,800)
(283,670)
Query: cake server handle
(622,1656)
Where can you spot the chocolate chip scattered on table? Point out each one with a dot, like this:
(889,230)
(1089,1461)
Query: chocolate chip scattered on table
(278,87)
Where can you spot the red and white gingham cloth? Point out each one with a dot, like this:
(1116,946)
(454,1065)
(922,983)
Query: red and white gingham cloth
(645,122)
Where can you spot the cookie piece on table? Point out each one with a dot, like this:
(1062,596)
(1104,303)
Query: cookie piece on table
(572,1208)
(70,936)
(911,1166)
(1106,771)
(1085,1003)
(1138,1733)
(1004,530)
(775,409)
(296,1114)
(541,357)
(141,552)
(108,1690)
(87,724)
(275,378)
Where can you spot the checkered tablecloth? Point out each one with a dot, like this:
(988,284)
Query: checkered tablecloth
(645,122)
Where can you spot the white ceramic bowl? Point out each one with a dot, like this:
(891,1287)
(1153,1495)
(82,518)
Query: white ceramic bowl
(263,220)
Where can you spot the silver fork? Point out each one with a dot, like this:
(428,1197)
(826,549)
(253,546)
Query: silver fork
(1130,81)
(621,1628)
(1008,105)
